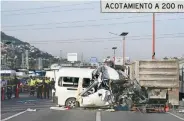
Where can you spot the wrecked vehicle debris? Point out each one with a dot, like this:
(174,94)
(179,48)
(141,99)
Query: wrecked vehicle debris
(110,88)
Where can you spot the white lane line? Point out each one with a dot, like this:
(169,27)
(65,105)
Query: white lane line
(176,116)
(58,108)
(98,116)
(10,117)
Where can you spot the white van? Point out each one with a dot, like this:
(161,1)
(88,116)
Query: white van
(67,80)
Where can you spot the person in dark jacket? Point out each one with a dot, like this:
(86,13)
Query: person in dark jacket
(16,83)
(39,88)
(46,84)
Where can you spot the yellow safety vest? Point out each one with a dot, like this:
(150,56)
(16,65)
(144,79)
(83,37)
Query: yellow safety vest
(32,82)
(39,81)
(47,81)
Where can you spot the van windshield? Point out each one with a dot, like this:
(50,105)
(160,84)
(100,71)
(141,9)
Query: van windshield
(86,82)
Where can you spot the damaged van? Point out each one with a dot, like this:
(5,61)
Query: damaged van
(67,81)
(101,87)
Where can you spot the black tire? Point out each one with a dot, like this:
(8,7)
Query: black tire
(72,103)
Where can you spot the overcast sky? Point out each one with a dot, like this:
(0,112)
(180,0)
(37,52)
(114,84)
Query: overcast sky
(80,27)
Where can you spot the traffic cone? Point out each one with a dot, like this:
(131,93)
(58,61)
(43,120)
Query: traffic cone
(166,108)
(17,91)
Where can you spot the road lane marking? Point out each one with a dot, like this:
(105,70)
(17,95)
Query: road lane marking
(58,108)
(176,116)
(12,116)
(98,116)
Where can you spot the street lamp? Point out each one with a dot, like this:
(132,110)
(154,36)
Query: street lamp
(123,35)
(114,48)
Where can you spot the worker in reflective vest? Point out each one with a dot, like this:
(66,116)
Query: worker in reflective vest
(32,85)
(39,87)
(46,87)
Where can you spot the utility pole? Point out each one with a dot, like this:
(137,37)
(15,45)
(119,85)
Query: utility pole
(15,62)
(40,64)
(153,41)
(124,50)
(114,48)
(123,35)
(27,59)
(5,60)
(23,66)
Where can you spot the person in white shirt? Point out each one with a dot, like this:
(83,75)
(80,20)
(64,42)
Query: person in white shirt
(3,82)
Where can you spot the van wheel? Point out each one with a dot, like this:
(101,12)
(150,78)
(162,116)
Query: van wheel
(72,103)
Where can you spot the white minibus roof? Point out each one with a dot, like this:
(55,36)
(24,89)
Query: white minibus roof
(75,72)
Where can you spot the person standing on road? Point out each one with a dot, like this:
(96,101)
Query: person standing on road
(39,88)
(47,87)
(3,86)
(32,86)
(3,82)
(16,82)
(52,83)
(44,88)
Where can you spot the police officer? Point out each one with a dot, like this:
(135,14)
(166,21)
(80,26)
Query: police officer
(32,85)
(46,87)
(16,82)
(39,87)
(52,84)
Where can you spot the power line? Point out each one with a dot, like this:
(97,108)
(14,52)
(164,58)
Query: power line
(95,25)
(108,39)
(92,20)
(49,12)
(46,7)
(94,38)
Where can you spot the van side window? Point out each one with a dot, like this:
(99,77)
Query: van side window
(86,82)
(60,81)
(67,79)
(70,81)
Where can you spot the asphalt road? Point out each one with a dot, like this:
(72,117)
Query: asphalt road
(15,110)
(79,115)
(14,106)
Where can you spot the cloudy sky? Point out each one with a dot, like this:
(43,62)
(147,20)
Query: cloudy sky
(80,27)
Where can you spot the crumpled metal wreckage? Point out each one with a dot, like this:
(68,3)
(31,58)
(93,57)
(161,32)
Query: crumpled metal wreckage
(111,88)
